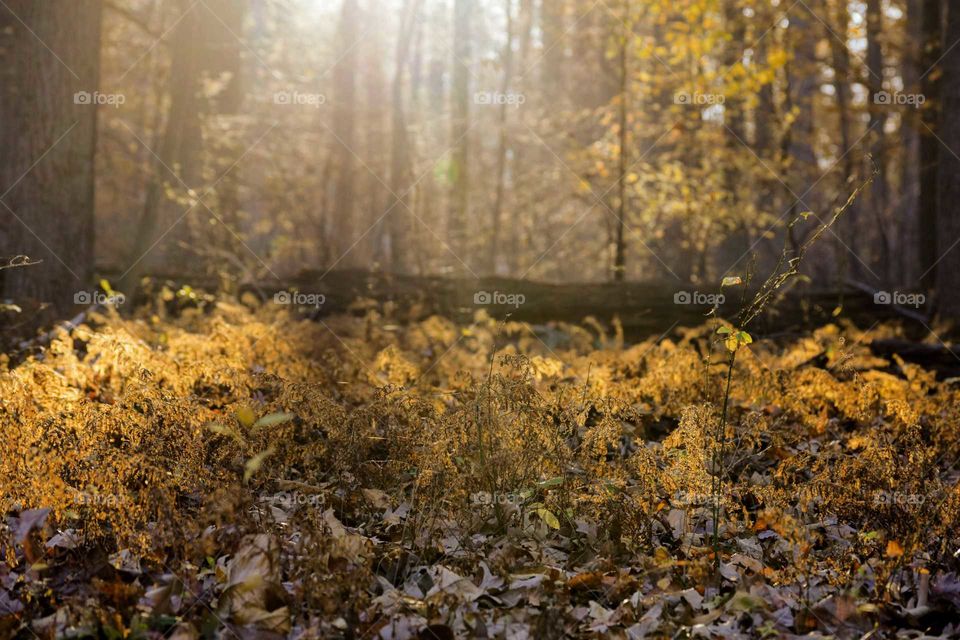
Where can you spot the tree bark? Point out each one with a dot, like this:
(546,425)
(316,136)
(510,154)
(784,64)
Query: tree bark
(948,214)
(879,189)
(929,145)
(48,130)
(399,158)
(460,139)
(493,251)
(626,35)
(345,129)
(179,144)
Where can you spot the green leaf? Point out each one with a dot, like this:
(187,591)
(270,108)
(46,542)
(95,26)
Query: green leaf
(245,416)
(552,482)
(273,419)
(724,330)
(548,517)
(253,464)
(225,431)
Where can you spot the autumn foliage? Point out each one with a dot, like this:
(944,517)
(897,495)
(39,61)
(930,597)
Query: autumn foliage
(240,466)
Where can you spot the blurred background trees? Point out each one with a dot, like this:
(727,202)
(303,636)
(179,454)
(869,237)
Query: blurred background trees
(557,140)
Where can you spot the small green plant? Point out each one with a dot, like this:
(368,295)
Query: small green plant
(735,337)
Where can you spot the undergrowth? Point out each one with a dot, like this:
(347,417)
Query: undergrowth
(342,461)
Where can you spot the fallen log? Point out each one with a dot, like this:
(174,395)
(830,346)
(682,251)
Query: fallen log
(643,308)
(944,359)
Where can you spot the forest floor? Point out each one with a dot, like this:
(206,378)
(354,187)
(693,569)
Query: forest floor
(239,472)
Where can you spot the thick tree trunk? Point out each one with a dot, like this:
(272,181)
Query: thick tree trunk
(179,145)
(948,212)
(48,129)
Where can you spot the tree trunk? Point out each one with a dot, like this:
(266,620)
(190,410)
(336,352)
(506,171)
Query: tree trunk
(178,145)
(620,258)
(929,145)
(399,159)
(948,229)
(345,130)
(460,188)
(840,54)
(879,189)
(907,239)
(48,131)
(493,251)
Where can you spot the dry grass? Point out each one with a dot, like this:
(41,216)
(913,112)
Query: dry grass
(418,453)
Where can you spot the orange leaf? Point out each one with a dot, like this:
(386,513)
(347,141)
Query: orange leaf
(894,550)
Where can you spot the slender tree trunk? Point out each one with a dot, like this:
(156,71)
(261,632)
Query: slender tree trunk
(907,238)
(178,143)
(460,167)
(399,159)
(802,83)
(502,145)
(948,229)
(48,132)
(345,130)
(849,225)
(222,24)
(620,258)
(738,241)
(527,11)
(879,190)
(929,145)
(376,131)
